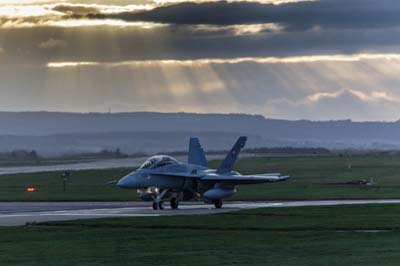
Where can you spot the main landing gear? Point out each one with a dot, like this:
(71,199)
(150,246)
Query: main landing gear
(174,203)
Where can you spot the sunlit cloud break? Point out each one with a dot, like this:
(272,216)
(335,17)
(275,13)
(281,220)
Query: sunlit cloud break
(258,60)
(374,96)
(238,30)
(60,9)
(27,16)
(72,64)
(72,23)
(75,23)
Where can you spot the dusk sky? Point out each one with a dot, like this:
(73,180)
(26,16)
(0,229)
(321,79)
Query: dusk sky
(317,60)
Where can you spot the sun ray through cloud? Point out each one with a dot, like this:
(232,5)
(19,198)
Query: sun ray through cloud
(287,59)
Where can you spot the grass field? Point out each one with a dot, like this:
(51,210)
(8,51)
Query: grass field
(337,235)
(316,236)
(314,178)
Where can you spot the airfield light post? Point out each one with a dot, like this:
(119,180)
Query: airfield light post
(349,166)
(65,177)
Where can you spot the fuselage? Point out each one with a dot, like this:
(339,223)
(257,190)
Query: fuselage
(163,177)
(164,172)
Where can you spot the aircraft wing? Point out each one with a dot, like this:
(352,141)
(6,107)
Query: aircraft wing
(246,179)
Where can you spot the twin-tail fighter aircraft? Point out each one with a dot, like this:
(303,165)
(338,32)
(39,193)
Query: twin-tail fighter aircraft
(162,177)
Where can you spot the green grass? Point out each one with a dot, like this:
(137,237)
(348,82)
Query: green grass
(316,236)
(275,236)
(320,177)
(314,178)
(82,185)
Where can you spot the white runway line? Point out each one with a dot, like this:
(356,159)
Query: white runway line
(20,213)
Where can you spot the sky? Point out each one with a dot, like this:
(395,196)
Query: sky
(285,59)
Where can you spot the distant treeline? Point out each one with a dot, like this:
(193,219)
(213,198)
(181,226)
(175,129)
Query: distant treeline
(32,155)
(103,154)
(264,150)
(288,151)
(19,155)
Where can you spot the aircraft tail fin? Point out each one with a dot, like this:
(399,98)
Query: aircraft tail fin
(231,157)
(196,153)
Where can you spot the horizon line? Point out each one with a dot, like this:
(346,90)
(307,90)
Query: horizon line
(198,113)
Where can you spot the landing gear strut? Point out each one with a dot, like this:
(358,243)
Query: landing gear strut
(218,204)
(174,203)
(158,203)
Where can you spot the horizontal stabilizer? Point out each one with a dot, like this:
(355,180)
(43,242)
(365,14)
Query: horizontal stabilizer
(246,179)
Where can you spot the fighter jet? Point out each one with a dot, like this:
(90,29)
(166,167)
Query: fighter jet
(162,177)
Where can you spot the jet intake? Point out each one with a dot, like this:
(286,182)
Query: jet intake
(219,193)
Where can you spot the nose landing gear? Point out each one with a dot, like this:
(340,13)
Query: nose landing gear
(158,205)
(218,203)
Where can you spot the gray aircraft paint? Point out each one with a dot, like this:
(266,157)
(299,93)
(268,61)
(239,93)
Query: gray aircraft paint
(161,177)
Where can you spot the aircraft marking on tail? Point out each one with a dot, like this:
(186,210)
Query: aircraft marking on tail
(230,159)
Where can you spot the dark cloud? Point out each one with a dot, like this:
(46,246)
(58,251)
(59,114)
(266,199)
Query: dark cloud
(295,16)
(130,43)
(208,30)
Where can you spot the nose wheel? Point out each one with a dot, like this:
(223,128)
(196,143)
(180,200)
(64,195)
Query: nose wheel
(218,204)
(155,205)
(158,204)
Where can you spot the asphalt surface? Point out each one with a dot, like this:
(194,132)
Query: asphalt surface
(21,213)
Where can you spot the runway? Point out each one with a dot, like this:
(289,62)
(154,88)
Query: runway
(21,213)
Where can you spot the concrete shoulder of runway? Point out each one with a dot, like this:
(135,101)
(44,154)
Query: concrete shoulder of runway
(21,213)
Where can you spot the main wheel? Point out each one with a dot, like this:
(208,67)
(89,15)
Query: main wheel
(218,204)
(161,205)
(155,205)
(174,203)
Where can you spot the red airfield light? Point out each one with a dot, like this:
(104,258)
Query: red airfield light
(30,189)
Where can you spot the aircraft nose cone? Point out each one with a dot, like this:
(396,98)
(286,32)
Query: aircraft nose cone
(123,182)
(130,181)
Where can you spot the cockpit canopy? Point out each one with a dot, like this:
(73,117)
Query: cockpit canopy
(158,161)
